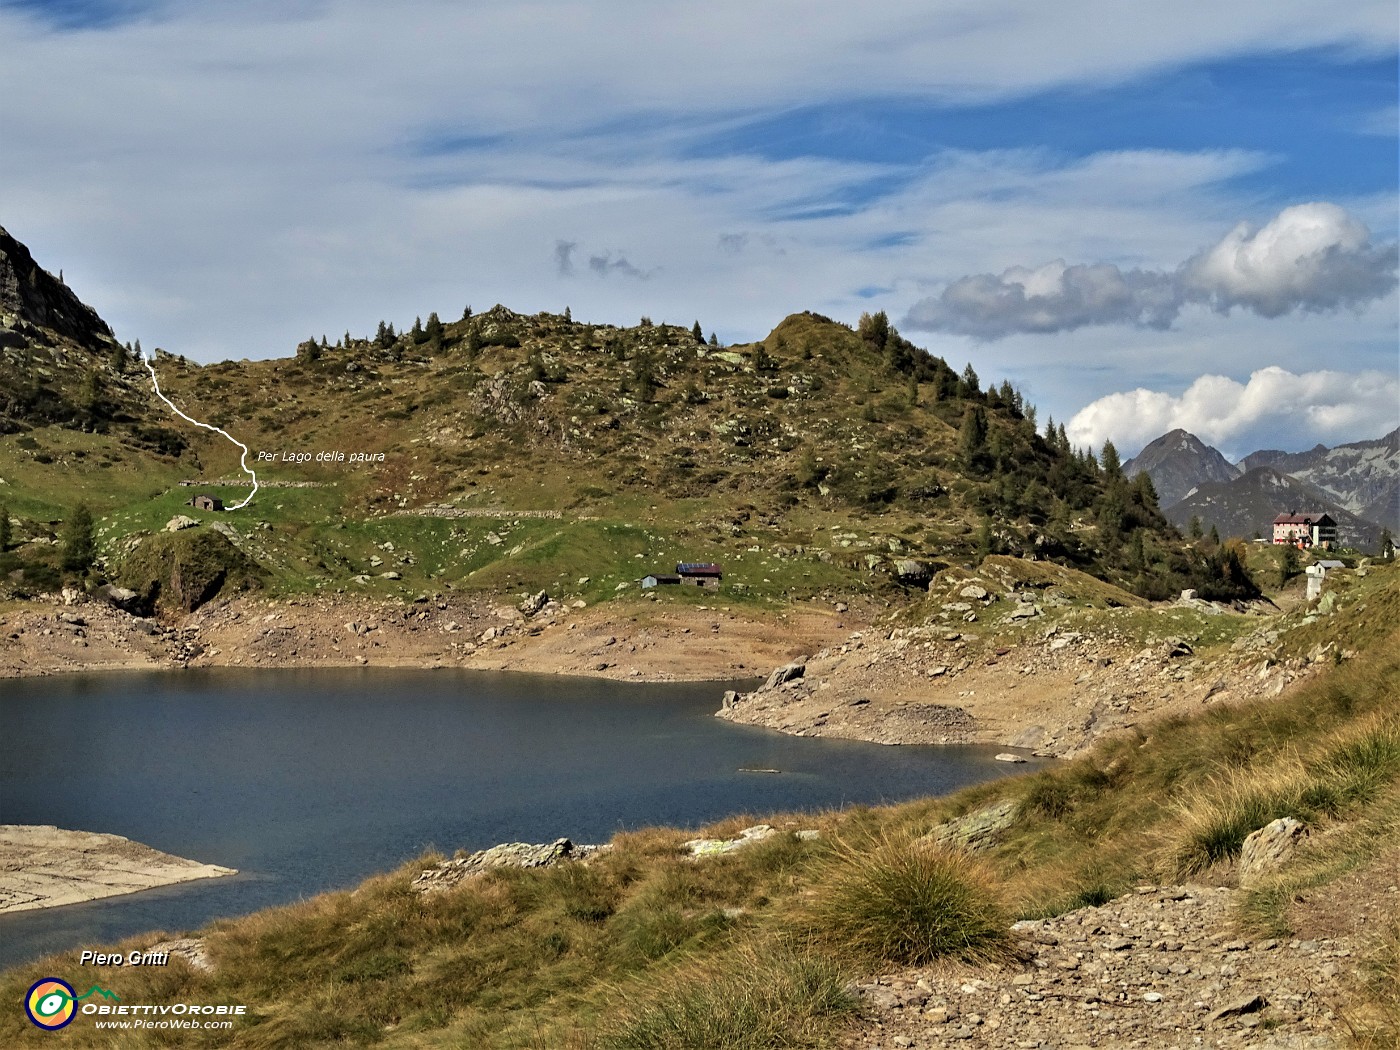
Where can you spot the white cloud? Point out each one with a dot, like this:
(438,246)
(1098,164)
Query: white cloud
(1309,257)
(1276,408)
(225,180)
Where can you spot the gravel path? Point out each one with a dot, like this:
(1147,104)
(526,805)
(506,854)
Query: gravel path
(1160,968)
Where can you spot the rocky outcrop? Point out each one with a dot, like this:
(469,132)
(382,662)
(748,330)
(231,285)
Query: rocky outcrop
(978,830)
(31,297)
(532,604)
(42,866)
(507,855)
(747,837)
(787,673)
(186,568)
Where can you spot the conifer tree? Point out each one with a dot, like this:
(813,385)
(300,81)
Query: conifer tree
(79,545)
(973,435)
(92,392)
(1112,467)
(967,385)
(5,534)
(714,340)
(433,329)
(697,333)
(874,329)
(1287,562)
(643,376)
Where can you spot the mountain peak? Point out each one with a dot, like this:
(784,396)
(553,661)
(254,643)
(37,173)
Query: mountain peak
(1178,462)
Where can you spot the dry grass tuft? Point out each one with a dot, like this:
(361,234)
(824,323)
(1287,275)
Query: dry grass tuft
(766,996)
(909,901)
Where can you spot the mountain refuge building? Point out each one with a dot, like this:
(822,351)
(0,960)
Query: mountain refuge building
(1305,530)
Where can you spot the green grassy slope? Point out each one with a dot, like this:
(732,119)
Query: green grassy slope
(809,463)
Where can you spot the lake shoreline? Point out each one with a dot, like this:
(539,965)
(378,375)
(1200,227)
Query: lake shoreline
(43,866)
(218,764)
(638,641)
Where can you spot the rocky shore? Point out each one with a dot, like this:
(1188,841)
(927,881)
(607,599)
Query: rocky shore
(42,866)
(631,641)
(1045,669)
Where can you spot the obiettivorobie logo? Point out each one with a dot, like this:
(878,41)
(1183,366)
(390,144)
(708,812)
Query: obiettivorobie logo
(52,1004)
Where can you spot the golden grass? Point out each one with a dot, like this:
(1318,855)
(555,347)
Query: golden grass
(897,899)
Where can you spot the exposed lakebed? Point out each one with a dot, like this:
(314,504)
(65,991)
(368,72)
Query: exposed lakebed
(311,780)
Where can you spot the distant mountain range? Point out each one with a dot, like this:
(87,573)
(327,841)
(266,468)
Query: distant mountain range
(1358,484)
(1248,505)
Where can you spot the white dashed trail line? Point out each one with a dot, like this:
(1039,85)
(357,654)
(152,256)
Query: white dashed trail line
(145,360)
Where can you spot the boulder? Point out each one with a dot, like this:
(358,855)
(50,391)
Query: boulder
(977,830)
(534,603)
(974,592)
(786,673)
(911,571)
(180,521)
(120,597)
(1270,848)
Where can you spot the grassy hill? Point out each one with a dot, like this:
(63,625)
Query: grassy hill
(511,452)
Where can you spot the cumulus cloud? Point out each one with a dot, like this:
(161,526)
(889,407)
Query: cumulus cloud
(1275,408)
(1310,258)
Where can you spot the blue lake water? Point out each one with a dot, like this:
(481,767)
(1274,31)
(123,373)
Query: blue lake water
(310,780)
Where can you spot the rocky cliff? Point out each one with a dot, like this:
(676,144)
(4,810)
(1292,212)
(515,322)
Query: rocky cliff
(36,306)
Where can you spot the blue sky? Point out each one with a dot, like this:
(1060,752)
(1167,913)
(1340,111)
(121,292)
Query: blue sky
(1102,202)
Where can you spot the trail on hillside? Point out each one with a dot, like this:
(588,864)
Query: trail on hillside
(243,462)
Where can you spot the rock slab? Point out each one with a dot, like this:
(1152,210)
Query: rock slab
(42,866)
